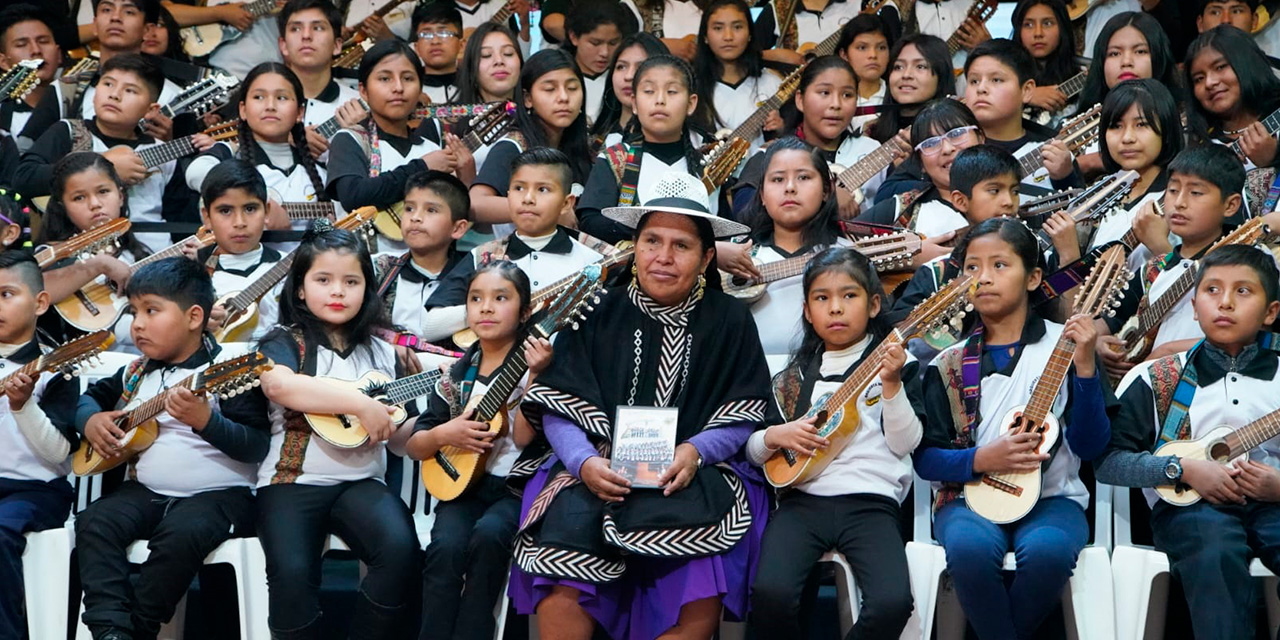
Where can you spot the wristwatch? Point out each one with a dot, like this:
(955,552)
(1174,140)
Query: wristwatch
(1173,470)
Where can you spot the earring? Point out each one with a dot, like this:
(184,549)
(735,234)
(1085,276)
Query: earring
(634,273)
(700,287)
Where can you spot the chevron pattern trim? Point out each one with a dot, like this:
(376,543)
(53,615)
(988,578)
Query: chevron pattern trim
(561,481)
(670,363)
(565,564)
(738,411)
(526,468)
(699,542)
(580,411)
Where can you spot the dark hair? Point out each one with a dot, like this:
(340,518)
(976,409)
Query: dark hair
(22,262)
(173,42)
(143,65)
(1244,255)
(610,107)
(249,149)
(706,239)
(56,225)
(511,272)
(178,279)
(1156,104)
(1259,87)
(938,57)
(1163,67)
(939,117)
(19,214)
(1007,53)
(979,163)
(692,157)
(791,116)
(589,16)
(447,186)
(1201,5)
(14,14)
(381,51)
(1011,231)
(860,270)
(707,68)
(1213,163)
(1060,64)
(469,68)
(574,140)
(294,311)
(553,159)
(435,13)
(293,7)
(232,174)
(824,227)
(860,24)
(150,9)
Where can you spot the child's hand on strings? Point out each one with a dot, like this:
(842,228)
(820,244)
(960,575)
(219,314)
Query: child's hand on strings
(1258,145)
(376,419)
(972,32)
(1057,159)
(537,352)
(1112,351)
(103,434)
(934,246)
(1152,229)
(188,408)
(1258,480)
(217,316)
(128,165)
(350,114)
(158,126)
(1009,453)
(116,271)
(800,436)
(1214,482)
(1062,231)
(895,358)
(736,259)
(1080,328)
(466,433)
(1048,98)
(19,389)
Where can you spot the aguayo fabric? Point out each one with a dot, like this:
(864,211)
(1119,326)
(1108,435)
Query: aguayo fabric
(632,351)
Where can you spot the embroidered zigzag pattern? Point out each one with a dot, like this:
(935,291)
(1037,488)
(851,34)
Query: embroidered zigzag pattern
(549,491)
(577,409)
(737,411)
(669,364)
(702,541)
(562,563)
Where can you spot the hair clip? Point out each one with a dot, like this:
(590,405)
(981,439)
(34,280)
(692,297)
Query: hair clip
(319,227)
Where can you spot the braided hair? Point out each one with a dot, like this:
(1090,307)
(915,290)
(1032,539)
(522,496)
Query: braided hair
(249,149)
(693,157)
(56,225)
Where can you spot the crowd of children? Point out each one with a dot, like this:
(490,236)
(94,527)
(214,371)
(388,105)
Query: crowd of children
(650,209)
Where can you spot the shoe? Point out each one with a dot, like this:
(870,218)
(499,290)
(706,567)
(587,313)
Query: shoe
(116,634)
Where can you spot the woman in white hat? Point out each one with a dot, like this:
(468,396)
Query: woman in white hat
(597,549)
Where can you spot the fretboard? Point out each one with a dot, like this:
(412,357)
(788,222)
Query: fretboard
(861,377)
(1073,85)
(153,157)
(30,369)
(309,210)
(330,128)
(170,252)
(503,383)
(1159,308)
(975,11)
(1253,434)
(259,287)
(1272,124)
(403,390)
(558,286)
(1046,389)
(868,167)
(153,406)
(260,8)
(503,14)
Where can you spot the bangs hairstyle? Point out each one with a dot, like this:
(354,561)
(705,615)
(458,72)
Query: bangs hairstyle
(232,174)
(692,157)
(938,57)
(469,68)
(589,16)
(1259,87)
(980,163)
(706,240)
(249,148)
(1155,104)
(382,51)
(1214,163)
(1163,67)
(791,116)
(553,159)
(860,24)
(293,7)
(173,46)
(179,279)
(1013,232)
(574,140)
(939,117)
(436,13)
(447,187)
(824,227)
(1060,64)
(56,225)
(859,268)
(707,68)
(23,265)
(1007,53)
(511,272)
(610,107)
(145,66)
(1244,255)
(15,14)
(294,312)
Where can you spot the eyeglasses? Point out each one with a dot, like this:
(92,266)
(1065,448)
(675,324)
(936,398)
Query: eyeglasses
(933,146)
(437,35)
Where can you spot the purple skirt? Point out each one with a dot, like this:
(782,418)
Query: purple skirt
(645,602)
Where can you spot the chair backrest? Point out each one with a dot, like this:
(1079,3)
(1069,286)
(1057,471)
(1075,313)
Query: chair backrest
(1120,508)
(922,504)
(104,366)
(776,363)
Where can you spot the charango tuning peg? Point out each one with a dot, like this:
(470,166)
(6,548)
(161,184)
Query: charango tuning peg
(574,324)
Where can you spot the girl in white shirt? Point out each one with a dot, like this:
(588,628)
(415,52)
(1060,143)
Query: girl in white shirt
(864,44)
(728,69)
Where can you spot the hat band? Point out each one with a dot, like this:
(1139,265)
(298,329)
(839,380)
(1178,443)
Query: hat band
(676,203)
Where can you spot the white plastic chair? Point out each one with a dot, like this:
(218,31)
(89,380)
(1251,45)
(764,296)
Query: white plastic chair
(1086,602)
(1140,577)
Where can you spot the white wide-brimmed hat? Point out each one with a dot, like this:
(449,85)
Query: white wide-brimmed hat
(682,194)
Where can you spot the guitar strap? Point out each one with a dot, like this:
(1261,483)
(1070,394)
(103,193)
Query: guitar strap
(908,207)
(1273,195)
(785,11)
(653,16)
(132,379)
(81,139)
(1174,386)
(624,160)
(389,280)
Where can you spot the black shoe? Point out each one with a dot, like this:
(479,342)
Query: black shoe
(115,634)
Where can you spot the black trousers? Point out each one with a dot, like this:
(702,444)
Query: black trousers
(862,527)
(181,531)
(293,522)
(471,545)
(25,506)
